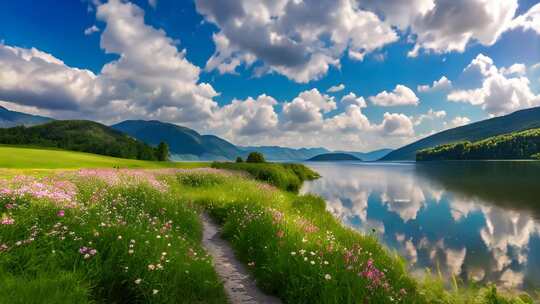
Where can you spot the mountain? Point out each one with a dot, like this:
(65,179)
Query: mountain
(10,119)
(79,135)
(517,121)
(275,153)
(369,156)
(516,145)
(335,157)
(184,143)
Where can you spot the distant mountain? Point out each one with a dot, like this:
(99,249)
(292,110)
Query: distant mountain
(184,143)
(334,157)
(79,135)
(275,153)
(369,156)
(517,121)
(515,145)
(10,119)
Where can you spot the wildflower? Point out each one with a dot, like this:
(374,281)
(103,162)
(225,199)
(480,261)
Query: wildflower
(312,262)
(7,221)
(327,277)
(61,213)
(138,281)
(151,267)
(119,237)
(155,291)
(251,264)
(130,251)
(293,253)
(280,233)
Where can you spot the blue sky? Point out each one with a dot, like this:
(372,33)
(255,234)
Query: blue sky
(278,62)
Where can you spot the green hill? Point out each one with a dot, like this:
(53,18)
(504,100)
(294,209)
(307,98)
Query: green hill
(335,157)
(516,145)
(79,135)
(10,119)
(183,142)
(517,121)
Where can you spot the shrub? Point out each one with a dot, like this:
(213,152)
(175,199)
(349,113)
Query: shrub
(239,160)
(255,157)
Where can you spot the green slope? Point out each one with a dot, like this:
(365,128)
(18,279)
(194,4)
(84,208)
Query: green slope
(79,135)
(517,121)
(335,157)
(516,145)
(35,158)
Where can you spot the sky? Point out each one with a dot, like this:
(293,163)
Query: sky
(342,74)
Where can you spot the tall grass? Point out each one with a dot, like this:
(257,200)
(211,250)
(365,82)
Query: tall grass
(287,177)
(125,243)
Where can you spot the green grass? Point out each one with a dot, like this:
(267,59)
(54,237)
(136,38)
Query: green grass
(14,157)
(287,177)
(146,242)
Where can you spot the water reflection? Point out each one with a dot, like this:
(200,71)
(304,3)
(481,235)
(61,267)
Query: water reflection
(479,221)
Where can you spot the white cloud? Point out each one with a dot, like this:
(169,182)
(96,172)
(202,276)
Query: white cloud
(457,121)
(336,88)
(352,99)
(286,36)
(498,94)
(249,117)
(430,115)
(396,125)
(452,24)
(438,85)
(528,21)
(305,112)
(91,30)
(517,69)
(400,96)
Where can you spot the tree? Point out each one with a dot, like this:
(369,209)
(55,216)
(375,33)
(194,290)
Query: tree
(255,157)
(239,160)
(163,151)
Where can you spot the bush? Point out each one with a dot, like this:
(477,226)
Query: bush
(255,157)
(239,160)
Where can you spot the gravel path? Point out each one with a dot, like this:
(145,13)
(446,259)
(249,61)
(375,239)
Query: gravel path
(239,285)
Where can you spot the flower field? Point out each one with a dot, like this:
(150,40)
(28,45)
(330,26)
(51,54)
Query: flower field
(133,236)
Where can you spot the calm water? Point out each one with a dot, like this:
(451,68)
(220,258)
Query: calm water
(477,220)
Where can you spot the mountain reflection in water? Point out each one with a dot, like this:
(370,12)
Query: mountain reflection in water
(479,221)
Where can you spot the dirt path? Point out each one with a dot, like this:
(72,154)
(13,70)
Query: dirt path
(239,285)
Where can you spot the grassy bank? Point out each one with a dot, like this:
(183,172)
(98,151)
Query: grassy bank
(287,177)
(17,157)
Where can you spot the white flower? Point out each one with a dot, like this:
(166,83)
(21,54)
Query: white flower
(293,253)
(327,277)
(138,281)
(155,291)
(151,267)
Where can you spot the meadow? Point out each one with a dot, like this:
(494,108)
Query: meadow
(134,236)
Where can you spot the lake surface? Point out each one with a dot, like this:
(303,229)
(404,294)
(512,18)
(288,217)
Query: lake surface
(479,221)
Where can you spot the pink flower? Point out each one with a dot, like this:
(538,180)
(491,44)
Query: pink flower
(280,233)
(7,221)
(61,213)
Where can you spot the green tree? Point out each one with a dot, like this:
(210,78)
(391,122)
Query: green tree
(163,151)
(255,157)
(239,160)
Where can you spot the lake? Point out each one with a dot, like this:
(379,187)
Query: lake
(479,221)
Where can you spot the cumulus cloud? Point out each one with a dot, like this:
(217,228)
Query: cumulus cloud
(430,115)
(306,110)
(249,117)
(502,90)
(457,121)
(438,85)
(336,88)
(298,39)
(352,99)
(400,96)
(528,21)
(91,30)
(450,25)
(395,124)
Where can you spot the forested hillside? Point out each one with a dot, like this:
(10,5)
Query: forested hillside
(79,135)
(516,145)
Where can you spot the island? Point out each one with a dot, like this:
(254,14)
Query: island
(334,157)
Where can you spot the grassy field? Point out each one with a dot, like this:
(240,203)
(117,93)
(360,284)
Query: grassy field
(38,158)
(133,236)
